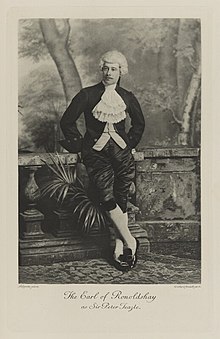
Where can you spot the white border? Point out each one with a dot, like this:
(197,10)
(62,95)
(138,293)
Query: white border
(178,312)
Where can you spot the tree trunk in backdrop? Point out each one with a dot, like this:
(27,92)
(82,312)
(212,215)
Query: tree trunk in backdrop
(189,84)
(57,44)
(183,69)
(192,93)
(166,57)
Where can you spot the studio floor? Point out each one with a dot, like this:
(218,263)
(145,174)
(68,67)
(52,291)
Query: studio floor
(152,268)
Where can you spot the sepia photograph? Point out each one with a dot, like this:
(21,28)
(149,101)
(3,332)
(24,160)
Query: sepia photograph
(109,149)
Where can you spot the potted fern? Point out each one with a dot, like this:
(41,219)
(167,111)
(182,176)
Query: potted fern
(70,194)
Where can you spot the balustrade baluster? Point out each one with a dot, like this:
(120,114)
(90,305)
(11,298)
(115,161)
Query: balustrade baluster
(32,218)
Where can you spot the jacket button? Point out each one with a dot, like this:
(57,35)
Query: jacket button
(75,139)
(95,139)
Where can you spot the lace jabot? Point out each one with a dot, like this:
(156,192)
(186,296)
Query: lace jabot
(111,107)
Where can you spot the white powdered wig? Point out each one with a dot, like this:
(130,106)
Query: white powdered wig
(115,57)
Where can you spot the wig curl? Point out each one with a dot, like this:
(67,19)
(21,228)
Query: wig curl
(115,57)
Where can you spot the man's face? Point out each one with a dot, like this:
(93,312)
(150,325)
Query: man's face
(111,73)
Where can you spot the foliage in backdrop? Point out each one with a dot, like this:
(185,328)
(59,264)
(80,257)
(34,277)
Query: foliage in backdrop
(57,57)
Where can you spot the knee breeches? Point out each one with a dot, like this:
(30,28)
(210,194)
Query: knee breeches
(111,172)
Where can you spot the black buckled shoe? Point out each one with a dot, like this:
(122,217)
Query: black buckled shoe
(120,263)
(131,259)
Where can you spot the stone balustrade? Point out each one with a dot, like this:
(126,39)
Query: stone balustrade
(166,206)
(63,242)
(31,217)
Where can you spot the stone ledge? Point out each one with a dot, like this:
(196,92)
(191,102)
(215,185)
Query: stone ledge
(35,159)
(170,152)
(51,249)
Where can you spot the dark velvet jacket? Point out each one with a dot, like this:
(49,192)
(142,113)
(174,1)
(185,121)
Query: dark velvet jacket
(85,101)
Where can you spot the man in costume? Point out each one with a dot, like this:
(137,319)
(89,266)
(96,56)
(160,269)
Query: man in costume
(106,147)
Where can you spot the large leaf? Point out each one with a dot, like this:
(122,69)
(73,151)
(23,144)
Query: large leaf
(65,186)
(62,193)
(79,182)
(84,208)
(94,218)
(53,170)
(60,167)
(62,172)
(51,189)
(88,217)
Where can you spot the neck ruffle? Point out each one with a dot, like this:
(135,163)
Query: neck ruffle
(111,107)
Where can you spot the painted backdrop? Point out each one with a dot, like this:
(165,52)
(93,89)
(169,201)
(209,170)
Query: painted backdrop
(57,57)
